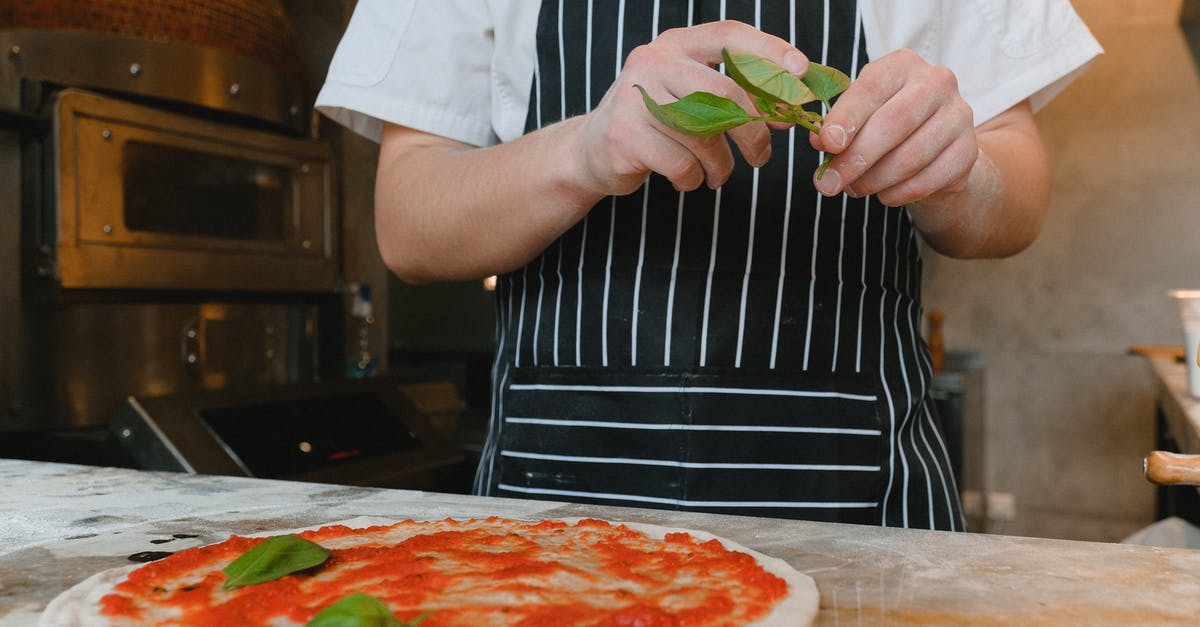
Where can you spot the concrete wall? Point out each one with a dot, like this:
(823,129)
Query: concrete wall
(1070,414)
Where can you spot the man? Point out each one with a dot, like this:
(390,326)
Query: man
(680,327)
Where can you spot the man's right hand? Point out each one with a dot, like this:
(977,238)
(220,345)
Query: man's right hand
(620,143)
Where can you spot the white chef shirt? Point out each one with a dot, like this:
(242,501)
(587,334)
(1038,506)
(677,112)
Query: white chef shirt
(462,68)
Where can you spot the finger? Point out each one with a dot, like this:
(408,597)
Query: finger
(705,41)
(919,150)
(946,173)
(667,155)
(890,124)
(715,157)
(878,83)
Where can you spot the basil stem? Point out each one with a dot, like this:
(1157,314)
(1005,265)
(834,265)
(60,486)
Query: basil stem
(360,610)
(825,161)
(273,558)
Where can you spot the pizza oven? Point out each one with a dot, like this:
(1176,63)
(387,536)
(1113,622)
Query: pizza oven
(175,229)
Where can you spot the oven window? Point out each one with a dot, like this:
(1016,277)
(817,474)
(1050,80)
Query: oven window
(175,191)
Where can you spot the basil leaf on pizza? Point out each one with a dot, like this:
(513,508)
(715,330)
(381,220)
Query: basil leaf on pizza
(360,610)
(273,558)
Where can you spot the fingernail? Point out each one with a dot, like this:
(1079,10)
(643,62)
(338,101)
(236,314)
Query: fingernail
(830,183)
(795,62)
(836,136)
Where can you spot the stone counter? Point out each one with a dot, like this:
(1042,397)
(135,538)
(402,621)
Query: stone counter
(61,523)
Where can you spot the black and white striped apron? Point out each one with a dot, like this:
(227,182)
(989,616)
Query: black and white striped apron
(751,350)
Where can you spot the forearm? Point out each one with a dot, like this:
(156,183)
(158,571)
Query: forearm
(447,211)
(1001,206)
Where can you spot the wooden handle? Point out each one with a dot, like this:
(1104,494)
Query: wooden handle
(1165,468)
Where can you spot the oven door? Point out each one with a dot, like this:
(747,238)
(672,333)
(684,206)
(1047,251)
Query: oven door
(153,199)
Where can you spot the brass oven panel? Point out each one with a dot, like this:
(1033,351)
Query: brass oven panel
(149,198)
(83,358)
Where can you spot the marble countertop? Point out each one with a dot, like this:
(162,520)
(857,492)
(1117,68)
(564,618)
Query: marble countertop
(61,523)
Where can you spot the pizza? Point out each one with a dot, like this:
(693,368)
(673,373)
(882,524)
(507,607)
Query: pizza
(477,572)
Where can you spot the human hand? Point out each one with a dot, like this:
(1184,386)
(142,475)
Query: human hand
(620,143)
(901,132)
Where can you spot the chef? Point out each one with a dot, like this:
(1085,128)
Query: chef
(693,323)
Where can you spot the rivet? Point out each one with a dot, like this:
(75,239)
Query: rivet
(135,69)
(106,134)
(14,51)
(234,89)
(294,110)
(108,228)
(306,244)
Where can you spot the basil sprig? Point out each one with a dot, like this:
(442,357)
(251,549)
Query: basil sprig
(779,94)
(699,113)
(273,558)
(360,610)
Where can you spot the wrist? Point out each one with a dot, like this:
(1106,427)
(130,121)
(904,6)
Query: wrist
(954,221)
(573,185)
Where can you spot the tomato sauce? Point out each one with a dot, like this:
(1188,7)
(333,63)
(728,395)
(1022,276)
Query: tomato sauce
(468,573)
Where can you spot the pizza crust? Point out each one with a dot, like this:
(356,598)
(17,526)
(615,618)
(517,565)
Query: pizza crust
(76,607)
(798,608)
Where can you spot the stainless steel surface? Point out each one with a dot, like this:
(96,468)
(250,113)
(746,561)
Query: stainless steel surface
(99,246)
(194,75)
(85,358)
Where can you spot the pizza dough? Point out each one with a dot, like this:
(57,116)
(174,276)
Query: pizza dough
(80,605)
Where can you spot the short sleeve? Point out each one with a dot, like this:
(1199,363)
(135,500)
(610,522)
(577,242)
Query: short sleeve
(422,64)
(1002,51)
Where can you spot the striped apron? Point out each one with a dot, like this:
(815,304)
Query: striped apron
(749,350)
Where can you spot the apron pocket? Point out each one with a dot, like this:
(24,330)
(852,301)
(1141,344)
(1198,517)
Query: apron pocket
(758,442)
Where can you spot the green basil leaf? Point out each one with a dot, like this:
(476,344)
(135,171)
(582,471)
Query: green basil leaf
(825,82)
(273,558)
(360,610)
(765,79)
(698,113)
